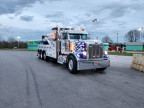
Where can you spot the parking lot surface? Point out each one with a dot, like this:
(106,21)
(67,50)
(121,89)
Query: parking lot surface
(28,82)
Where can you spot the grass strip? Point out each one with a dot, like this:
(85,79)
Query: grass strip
(123,53)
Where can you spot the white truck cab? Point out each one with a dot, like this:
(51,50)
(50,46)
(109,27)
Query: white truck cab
(74,49)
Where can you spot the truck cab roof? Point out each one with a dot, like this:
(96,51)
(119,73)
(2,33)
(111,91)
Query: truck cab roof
(76,32)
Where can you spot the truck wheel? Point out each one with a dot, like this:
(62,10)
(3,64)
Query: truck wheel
(101,69)
(47,58)
(40,54)
(72,65)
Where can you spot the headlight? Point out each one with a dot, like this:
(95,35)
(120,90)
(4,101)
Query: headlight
(105,55)
(84,53)
(105,52)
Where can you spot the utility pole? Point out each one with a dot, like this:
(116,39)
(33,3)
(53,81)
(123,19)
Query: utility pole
(18,37)
(140,30)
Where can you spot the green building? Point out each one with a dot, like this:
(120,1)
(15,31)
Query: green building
(33,44)
(134,46)
(105,46)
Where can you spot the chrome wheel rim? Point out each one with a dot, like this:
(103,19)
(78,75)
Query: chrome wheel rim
(41,55)
(70,64)
(44,56)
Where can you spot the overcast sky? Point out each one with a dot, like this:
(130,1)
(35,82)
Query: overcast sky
(30,19)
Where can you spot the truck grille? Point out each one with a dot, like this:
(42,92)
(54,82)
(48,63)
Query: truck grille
(95,51)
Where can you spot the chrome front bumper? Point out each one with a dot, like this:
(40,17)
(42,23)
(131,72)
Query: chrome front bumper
(89,64)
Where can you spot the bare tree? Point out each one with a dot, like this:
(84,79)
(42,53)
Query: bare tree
(107,39)
(11,43)
(11,39)
(133,36)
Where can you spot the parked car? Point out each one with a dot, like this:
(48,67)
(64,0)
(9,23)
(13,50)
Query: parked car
(114,48)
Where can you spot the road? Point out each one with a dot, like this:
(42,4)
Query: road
(28,82)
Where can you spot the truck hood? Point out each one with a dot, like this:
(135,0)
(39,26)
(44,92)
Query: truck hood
(87,41)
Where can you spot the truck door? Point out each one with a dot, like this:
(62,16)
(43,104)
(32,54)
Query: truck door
(64,43)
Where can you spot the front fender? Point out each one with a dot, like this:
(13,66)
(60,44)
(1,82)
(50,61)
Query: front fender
(71,54)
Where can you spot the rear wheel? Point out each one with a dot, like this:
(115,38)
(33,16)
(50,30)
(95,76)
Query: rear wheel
(72,65)
(43,55)
(45,58)
(39,54)
(101,69)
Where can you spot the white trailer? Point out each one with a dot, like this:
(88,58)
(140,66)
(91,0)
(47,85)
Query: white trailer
(74,49)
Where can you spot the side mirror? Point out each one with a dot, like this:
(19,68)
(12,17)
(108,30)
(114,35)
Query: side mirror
(88,36)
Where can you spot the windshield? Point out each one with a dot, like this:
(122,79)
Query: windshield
(78,36)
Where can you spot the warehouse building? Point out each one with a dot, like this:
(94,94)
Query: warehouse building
(106,46)
(33,44)
(134,46)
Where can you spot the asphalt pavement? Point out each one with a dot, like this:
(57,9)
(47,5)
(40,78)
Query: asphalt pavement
(28,82)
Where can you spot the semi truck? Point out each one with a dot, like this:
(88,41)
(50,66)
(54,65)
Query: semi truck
(74,49)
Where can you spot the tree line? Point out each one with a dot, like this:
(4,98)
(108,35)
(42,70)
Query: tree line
(11,43)
(131,36)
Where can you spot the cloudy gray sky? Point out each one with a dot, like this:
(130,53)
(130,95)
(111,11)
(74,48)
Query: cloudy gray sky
(30,19)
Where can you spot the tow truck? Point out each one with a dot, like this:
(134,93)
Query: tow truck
(74,49)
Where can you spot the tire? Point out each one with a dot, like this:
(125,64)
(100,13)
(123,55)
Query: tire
(47,58)
(101,69)
(40,54)
(72,65)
